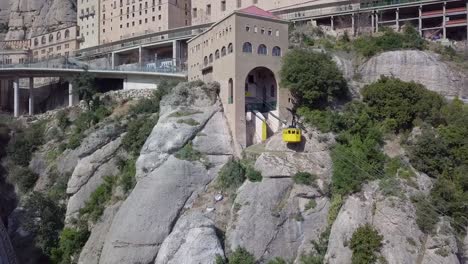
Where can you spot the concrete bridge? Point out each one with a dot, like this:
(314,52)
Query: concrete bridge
(133,78)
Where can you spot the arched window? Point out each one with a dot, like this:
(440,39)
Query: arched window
(43,40)
(211,58)
(217,54)
(36,42)
(230,49)
(205,61)
(276,51)
(223,51)
(230,91)
(59,36)
(67,33)
(51,38)
(247,47)
(262,50)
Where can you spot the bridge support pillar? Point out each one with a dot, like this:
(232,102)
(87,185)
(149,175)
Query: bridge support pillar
(420,21)
(16,98)
(31,96)
(70,95)
(175,52)
(444,21)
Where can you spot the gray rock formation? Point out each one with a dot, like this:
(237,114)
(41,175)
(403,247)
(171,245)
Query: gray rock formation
(91,251)
(270,220)
(419,66)
(395,219)
(29,18)
(193,241)
(166,184)
(89,174)
(7,255)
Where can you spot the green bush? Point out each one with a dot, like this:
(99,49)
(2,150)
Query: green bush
(70,244)
(312,77)
(151,105)
(426,216)
(44,219)
(25,142)
(127,175)
(95,206)
(85,121)
(335,206)
(84,84)
(189,121)
(241,256)
(311,204)
(253,175)
(231,175)
(325,121)
(138,131)
(24,178)
(305,178)
(365,242)
(277,260)
(188,153)
(62,119)
(399,102)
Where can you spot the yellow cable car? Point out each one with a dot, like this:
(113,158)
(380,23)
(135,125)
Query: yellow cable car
(292,135)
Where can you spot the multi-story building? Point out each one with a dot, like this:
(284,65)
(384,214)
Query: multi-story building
(14,51)
(60,43)
(209,11)
(121,19)
(88,18)
(243,53)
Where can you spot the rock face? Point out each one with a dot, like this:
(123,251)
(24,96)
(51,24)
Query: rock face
(418,66)
(395,219)
(166,183)
(275,217)
(7,255)
(28,18)
(193,240)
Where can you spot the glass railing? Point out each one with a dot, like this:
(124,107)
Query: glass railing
(261,107)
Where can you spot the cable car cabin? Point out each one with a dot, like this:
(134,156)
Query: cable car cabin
(292,135)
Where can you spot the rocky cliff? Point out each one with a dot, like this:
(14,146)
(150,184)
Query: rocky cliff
(29,18)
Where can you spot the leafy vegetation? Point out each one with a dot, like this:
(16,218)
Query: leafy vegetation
(24,178)
(305,178)
(320,248)
(152,104)
(95,205)
(312,77)
(84,84)
(188,153)
(252,174)
(188,121)
(138,131)
(231,175)
(240,256)
(365,243)
(25,142)
(70,244)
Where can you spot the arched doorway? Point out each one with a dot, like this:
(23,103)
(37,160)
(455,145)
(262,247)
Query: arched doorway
(261,105)
(261,90)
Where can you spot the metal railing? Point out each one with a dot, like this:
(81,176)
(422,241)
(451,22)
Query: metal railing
(143,39)
(159,66)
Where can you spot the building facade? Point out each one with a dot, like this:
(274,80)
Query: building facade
(88,14)
(14,52)
(60,43)
(122,19)
(243,53)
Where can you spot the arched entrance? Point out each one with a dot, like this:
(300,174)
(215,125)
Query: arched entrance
(261,90)
(261,105)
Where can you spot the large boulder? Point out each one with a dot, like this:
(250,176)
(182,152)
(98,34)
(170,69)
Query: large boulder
(192,241)
(270,219)
(419,66)
(91,251)
(89,174)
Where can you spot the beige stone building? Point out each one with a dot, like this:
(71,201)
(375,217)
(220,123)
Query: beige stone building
(121,19)
(14,51)
(209,11)
(243,52)
(88,21)
(60,43)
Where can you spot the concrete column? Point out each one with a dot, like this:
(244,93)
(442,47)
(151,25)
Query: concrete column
(466,22)
(175,52)
(332,24)
(4,93)
(71,95)
(376,22)
(16,98)
(31,96)
(420,20)
(372,22)
(140,56)
(444,28)
(115,60)
(353,25)
(397,19)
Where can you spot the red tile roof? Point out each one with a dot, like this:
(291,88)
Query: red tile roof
(256,11)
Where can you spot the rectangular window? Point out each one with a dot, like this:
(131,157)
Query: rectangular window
(223,5)
(239,3)
(208,9)
(194,12)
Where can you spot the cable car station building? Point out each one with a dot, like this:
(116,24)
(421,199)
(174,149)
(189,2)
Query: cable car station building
(243,52)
